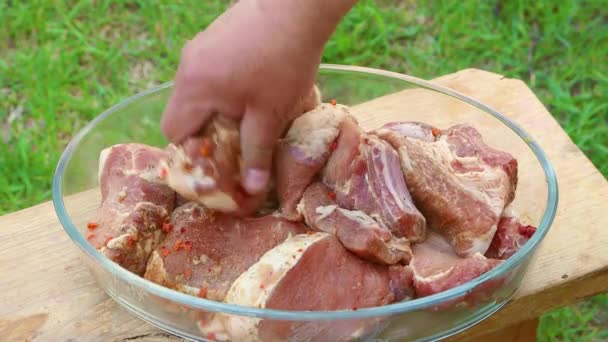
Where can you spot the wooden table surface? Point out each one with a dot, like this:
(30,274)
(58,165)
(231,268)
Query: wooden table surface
(47,294)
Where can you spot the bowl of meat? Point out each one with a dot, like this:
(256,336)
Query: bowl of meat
(398,210)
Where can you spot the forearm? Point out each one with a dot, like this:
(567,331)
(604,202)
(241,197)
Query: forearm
(311,20)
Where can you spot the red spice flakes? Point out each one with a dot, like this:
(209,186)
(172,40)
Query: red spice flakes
(333,102)
(177,245)
(182,230)
(332,195)
(131,241)
(165,251)
(90,236)
(187,245)
(310,232)
(167,227)
(187,273)
(300,250)
(262,286)
(202,292)
(92,225)
(163,173)
(436,131)
(211,336)
(206,148)
(107,240)
(209,269)
(334,146)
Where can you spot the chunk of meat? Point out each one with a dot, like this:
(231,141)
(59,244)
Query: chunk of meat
(365,174)
(303,152)
(401,282)
(436,266)
(460,184)
(306,272)
(134,205)
(205,251)
(510,236)
(206,169)
(357,232)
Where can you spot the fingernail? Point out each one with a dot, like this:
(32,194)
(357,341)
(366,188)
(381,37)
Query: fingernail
(256,180)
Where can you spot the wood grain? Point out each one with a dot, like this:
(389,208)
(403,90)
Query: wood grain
(48,294)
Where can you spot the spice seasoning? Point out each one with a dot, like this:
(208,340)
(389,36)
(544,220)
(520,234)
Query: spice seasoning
(206,148)
(167,227)
(436,131)
(332,195)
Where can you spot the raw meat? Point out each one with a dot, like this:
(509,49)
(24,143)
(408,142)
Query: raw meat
(306,272)
(134,205)
(437,267)
(205,251)
(510,236)
(357,232)
(206,169)
(303,152)
(459,183)
(365,174)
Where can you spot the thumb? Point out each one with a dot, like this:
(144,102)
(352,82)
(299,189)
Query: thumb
(259,133)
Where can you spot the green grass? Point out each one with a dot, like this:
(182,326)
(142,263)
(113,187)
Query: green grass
(63,62)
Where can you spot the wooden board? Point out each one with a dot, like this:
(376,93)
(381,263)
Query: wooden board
(48,294)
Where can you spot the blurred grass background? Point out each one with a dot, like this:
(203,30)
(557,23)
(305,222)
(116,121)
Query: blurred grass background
(63,62)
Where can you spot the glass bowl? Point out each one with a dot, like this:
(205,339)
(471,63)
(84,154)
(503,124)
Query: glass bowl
(75,197)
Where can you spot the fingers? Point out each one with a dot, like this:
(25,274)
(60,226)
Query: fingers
(195,98)
(184,118)
(259,133)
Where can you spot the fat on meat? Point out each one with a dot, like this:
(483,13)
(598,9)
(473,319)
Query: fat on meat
(357,232)
(308,272)
(135,203)
(365,173)
(303,152)
(459,183)
(436,266)
(205,251)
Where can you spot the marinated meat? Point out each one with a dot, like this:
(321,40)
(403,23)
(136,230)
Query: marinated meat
(306,272)
(134,205)
(365,174)
(460,184)
(510,236)
(205,251)
(206,169)
(303,152)
(357,232)
(437,267)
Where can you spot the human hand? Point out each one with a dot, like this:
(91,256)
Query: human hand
(255,63)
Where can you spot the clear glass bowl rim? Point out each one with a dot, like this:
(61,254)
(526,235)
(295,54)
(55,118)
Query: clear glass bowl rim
(391,309)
